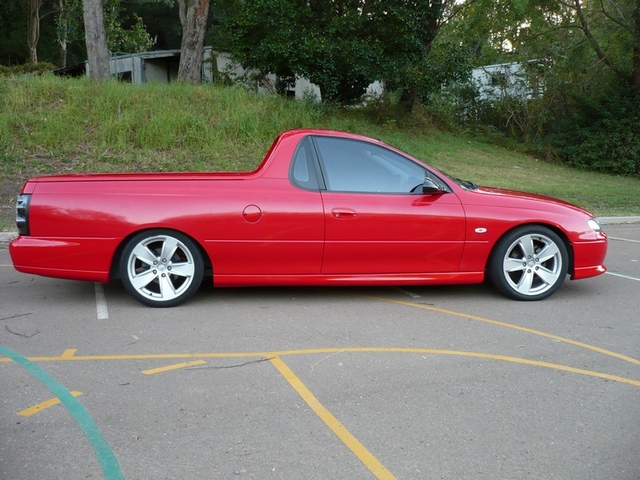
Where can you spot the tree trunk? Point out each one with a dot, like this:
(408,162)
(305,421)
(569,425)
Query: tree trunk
(33,29)
(193,17)
(96,39)
(63,32)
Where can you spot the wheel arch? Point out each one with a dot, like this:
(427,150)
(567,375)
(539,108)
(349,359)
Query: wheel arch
(554,228)
(114,271)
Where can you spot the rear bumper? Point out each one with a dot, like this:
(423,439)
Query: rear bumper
(69,258)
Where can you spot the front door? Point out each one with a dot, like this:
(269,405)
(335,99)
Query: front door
(377,219)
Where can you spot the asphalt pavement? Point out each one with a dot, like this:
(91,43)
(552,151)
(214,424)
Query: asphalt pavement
(451,382)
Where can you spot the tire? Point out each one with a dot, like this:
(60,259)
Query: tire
(161,268)
(529,263)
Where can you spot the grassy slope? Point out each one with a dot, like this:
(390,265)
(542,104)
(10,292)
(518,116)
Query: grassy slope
(51,125)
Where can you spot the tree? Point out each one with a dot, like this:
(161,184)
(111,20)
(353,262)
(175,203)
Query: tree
(604,34)
(96,40)
(62,24)
(590,53)
(341,45)
(407,30)
(131,39)
(13,32)
(33,29)
(56,28)
(68,27)
(193,17)
(325,42)
(618,20)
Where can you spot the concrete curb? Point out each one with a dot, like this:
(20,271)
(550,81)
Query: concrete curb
(618,220)
(7,236)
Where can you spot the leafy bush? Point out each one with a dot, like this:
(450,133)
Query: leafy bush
(27,68)
(603,135)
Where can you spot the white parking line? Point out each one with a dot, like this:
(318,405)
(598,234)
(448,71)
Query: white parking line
(628,277)
(101,303)
(625,239)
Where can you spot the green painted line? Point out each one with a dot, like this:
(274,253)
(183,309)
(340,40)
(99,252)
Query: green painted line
(108,461)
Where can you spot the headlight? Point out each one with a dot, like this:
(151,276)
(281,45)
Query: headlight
(594,225)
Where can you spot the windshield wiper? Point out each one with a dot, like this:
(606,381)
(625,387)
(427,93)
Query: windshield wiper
(466,184)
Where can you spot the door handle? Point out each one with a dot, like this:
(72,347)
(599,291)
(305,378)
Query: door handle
(345,213)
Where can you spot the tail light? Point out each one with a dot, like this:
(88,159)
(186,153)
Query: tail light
(22,214)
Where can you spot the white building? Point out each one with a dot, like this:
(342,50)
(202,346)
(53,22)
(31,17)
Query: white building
(518,80)
(162,66)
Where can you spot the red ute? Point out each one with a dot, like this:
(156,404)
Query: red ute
(323,208)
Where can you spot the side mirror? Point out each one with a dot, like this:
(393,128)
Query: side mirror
(429,187)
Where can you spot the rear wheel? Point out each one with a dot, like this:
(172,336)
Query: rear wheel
(529,263)
(161,268)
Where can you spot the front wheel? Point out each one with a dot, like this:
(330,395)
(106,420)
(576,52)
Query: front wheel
(161,268)
(529,263)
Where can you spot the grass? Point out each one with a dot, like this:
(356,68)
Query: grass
(52,125)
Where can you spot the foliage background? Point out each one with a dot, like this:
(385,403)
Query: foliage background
(52,125)
(586,118)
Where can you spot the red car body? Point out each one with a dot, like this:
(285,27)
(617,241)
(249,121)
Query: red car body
(274,226)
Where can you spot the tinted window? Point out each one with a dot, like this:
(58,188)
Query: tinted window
(355,166)
(303,172)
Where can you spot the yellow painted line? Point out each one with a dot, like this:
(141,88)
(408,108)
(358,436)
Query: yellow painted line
(176,366)
(174,356)
(41,406)
(68,353)
(145,356)
(360,451)
(508,325)
(487,356)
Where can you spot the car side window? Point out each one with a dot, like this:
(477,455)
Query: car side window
(303,171)
(356,166)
